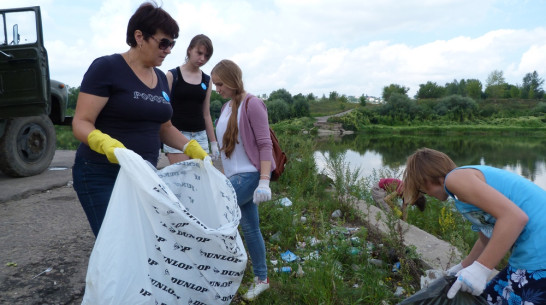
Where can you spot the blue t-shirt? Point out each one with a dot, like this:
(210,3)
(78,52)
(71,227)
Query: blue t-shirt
(134,112)
(528,252)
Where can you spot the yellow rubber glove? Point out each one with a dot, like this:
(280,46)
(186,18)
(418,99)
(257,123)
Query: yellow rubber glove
(194,150)
(104,144)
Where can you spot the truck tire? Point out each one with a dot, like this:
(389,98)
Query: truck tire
(28,146)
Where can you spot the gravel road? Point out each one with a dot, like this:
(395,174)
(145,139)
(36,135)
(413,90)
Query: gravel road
(45,230)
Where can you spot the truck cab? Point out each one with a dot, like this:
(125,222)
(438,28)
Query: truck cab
(30,102)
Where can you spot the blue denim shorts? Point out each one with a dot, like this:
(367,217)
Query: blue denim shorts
(199,136)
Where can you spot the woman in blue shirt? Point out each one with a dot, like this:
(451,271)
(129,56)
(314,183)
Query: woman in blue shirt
(509,214)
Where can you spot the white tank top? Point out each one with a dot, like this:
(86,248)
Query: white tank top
(238,162)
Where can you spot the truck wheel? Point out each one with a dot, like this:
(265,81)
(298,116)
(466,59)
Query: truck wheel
(28,146)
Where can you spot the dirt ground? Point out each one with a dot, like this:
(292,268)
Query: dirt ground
(45,230)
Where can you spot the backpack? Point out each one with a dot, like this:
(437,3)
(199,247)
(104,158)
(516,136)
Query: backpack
(278,155)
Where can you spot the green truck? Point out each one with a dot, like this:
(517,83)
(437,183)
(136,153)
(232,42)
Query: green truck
(30,102)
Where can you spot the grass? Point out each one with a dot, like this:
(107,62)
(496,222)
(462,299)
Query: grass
(323,108)
(344,272)
(338,255)
(65,138)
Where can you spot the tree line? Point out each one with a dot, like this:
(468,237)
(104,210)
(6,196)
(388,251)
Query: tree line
(456,101)
(495,87)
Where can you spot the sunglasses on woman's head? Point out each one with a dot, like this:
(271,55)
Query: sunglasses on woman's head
(164,43)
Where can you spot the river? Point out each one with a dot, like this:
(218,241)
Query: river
(524,155)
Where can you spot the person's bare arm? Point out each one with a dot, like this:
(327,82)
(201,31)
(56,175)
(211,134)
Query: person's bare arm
(88,108)
(476,250)
(171,136)
(469,186)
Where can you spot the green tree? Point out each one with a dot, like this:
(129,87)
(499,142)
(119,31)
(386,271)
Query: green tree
(495,84)
(362,100)
(281,94)
(452,88)
(430,90)
(333,96)
(215,109)
(300,108)
(515,91)
(73,93)
(474,88)
(532,86)
(394,88)
(215,96)
(457,107)
(277,110)
(399,107)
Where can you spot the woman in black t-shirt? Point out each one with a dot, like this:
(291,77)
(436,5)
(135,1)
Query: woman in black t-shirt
(190,99)
(124,103)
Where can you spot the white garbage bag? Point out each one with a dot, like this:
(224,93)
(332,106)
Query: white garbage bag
(168,237)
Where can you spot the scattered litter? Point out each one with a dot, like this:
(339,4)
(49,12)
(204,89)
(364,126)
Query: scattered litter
(336,214)
(274,262)
(301,245)
(369,247)
(352,230)
(45,271)
(276,236)
(303,219)
(11,264)
(375,261)
(354,251)
(300,272)
(314,241)
(396,267)
(312,255)
(346,231)
(285,202)
(430,276)
(399,291)
(289,256)
(58,168)
(285,269)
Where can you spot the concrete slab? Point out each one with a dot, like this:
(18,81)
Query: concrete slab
(435,253)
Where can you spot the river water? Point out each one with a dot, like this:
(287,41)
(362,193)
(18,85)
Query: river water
(524,155)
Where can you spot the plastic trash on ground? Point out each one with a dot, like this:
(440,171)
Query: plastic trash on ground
(288,256)
(436,294)
(285,202)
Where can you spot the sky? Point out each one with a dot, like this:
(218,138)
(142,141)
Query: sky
(352,47)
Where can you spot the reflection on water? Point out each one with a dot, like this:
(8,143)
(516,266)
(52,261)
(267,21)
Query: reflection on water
(521,155)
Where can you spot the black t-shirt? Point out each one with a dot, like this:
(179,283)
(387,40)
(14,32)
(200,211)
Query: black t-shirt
(134,112)
(187,102)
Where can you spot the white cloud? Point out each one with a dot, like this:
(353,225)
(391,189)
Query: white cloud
(317,46)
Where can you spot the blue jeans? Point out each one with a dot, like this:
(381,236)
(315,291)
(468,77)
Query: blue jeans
(93,183)
(244,185)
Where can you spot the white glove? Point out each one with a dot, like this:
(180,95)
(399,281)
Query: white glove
(471,279)
(453,270)
(262,192)
(214,152)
